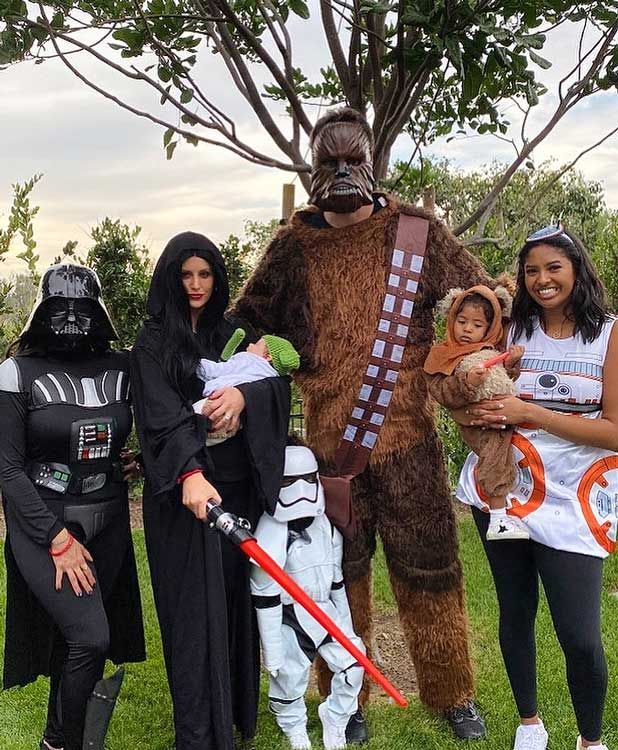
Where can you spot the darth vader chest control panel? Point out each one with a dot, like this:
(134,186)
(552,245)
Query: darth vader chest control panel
(91,439)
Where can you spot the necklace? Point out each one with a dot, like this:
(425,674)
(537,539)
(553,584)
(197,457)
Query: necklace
(559,334)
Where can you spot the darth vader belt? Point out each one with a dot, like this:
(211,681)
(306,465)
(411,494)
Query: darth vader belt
(93,518)
(62,479)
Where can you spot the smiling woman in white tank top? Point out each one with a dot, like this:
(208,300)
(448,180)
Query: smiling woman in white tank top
(566,493)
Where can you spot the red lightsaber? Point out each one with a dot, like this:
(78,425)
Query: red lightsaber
(239,534)
(495,360)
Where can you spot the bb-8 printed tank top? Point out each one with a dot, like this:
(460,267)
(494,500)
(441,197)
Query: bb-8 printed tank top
(566,494)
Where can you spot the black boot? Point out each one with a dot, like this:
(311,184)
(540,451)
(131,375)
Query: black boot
(466,722)
(99,710)
(45,745)
(356,732)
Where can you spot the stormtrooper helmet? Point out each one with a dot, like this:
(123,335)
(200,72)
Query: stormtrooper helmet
(301,494)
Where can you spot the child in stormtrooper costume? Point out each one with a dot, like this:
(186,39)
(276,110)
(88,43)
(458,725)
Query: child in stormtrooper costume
(303,541)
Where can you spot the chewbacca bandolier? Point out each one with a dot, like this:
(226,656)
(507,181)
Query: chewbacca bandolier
(323,287)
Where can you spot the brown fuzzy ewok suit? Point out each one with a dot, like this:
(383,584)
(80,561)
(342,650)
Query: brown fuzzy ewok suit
(323,288)
(495,470)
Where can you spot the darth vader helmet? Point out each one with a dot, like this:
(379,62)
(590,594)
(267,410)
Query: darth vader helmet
(301,494)
(69,306)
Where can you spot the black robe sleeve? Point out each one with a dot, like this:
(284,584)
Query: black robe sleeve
(169,432)
(265,429)
(37,520)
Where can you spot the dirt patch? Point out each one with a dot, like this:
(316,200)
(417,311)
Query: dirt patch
(390,655)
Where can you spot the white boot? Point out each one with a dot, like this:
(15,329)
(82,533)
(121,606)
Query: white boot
(298,738)
(333,736)
(530,737)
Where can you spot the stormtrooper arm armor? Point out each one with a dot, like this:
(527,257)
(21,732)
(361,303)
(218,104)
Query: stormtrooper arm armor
(272,537)
(338,594)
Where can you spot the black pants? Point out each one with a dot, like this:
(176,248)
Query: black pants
(572,583)
(81,628)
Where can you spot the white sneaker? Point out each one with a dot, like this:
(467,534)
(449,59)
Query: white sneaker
(333,736)
(530,737)
(299,739)
(505,528)
(590,747)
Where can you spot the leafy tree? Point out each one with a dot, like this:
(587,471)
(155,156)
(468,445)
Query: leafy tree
(241,255)
(428,67)
(124,268)
(533,198)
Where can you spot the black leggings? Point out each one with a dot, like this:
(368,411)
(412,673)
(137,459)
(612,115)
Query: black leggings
(572,584)
(81,642)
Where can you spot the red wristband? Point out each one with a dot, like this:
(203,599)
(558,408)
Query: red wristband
(184,476)
(65,547)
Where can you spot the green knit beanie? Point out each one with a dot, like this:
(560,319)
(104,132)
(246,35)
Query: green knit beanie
(284,358)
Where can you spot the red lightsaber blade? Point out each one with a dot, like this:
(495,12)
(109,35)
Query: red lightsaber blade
(240,535)
(495,360)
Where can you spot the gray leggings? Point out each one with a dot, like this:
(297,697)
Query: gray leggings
(572,584)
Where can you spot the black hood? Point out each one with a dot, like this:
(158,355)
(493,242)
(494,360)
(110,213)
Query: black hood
(166,284)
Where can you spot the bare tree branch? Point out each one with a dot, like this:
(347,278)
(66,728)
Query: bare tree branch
(574,94)
(334,45)
(234,145)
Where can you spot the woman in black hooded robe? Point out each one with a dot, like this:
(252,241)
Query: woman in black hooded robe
(200,580)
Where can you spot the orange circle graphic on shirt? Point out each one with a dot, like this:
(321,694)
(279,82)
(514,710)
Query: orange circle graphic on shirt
(596,475)
(530,460)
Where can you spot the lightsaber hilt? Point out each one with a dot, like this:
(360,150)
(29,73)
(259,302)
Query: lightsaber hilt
(237,530)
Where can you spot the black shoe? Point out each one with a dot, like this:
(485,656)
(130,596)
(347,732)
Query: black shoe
(466,722)
(46,745)
(356,732)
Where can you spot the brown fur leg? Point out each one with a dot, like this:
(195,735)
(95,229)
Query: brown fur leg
(435,627)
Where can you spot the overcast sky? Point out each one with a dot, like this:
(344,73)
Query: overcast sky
(100,161)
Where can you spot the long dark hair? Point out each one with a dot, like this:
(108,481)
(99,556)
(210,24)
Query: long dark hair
(587,306)
(168,305)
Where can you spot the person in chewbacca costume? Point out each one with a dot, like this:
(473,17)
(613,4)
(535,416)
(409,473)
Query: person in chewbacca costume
(321,284)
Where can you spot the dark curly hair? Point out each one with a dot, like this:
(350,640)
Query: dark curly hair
(587,307)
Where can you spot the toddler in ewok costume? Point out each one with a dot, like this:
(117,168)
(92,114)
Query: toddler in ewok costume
(456,377)
(301,539)
(323,286)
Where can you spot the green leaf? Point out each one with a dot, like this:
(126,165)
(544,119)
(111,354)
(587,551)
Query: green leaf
(300,8)
(454,53)
(167,136)
(186,96)
(57,21)
(164,73)
(540,61)
(472,82)
(132,38)
(169,151)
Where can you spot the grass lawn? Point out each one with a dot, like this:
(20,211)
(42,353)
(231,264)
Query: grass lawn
(142,720)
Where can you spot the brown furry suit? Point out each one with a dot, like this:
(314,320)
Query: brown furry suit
(323,289)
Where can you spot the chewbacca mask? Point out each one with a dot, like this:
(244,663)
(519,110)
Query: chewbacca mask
(342,171)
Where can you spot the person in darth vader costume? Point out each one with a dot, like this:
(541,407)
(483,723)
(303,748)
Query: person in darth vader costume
(72,590)
(200,581)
